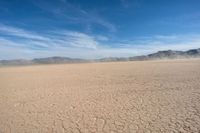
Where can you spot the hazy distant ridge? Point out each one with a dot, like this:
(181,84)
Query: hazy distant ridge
(168,54)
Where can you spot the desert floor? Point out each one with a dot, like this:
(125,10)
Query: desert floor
(146,96)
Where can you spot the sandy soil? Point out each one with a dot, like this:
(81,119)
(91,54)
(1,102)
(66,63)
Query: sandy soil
(154,96)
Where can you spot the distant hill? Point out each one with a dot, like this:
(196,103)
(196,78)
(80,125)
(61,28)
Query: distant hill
(168,54)
(108,59)
(15,62)
(57,60)
(48,60)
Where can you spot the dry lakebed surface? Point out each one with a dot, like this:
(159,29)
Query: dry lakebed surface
(124,97)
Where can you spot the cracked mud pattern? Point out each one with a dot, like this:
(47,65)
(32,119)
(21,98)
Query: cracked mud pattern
(121,97)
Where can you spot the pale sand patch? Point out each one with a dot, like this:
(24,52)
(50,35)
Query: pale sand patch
(148,96)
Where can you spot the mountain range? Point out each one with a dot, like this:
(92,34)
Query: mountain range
(168,54)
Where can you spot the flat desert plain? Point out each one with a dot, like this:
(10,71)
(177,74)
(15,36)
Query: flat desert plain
(146,96)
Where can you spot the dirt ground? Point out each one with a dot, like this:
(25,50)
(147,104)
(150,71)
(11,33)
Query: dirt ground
(146,96)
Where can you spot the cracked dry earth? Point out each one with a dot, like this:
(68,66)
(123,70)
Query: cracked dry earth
(148,96)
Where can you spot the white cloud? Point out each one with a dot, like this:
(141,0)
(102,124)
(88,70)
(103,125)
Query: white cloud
(13,31)
(27,44)
(163,42)
(102,38)
(57,39)
(106,24)
(78,39)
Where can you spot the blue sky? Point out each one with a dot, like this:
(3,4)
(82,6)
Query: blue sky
(96,28)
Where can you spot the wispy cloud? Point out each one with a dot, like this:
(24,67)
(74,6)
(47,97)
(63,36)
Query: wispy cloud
(48,40)
(155,43)
(76,39)
(9,30)
(71,13)
(20,43)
